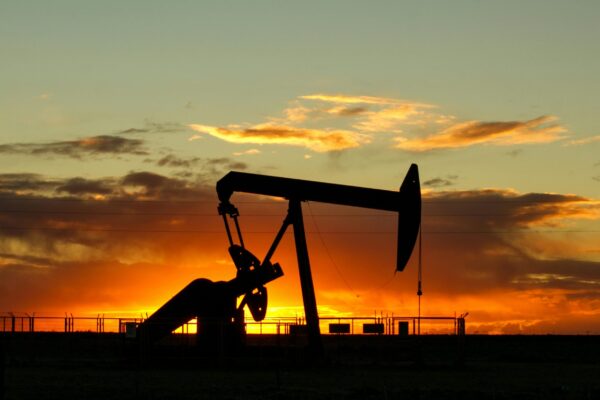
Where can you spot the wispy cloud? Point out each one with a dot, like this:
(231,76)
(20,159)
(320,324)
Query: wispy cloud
(95,145)
(298,113)
(345,99)
(373,114)
(211,167)
(179,162)
(390,119)
(441,181)
(82,187)
(514,153)
(218,166)
(25,182)
(155,127)
(314,139)
(587,140)
(464,134)
(249,152)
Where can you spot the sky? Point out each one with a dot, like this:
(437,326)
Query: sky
(117,118)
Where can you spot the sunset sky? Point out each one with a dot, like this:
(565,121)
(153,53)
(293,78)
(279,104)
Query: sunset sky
(118,117)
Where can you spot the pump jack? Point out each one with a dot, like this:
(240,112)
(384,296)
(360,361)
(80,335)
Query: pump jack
(220,321)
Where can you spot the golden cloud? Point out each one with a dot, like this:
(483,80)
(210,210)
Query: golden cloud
(297,113)
(370,114)
(465,134)
(338,121)
(315,139)
(388,119)
(344,99)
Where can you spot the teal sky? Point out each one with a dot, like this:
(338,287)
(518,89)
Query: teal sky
(76,69)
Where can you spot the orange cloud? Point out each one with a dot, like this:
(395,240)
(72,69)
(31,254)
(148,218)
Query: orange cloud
(386,116)
(465,134)
(573,207)
(314,139)
(338,121)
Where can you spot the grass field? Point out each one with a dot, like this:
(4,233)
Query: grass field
(92,366)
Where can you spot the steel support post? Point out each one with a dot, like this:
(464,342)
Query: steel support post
(308,291)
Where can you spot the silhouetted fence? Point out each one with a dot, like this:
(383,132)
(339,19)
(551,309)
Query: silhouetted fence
(381,325)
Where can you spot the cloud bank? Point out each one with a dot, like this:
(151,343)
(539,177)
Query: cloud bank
(131,241)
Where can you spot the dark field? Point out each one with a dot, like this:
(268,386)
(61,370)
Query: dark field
(106,366)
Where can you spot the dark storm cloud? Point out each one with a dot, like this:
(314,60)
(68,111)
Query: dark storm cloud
(95,145)
(596,178)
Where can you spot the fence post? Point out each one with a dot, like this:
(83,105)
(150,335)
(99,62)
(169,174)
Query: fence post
(2,368)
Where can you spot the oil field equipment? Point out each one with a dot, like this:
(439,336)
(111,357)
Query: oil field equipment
(215,305)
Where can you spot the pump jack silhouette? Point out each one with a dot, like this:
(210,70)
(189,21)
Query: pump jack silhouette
(220,320)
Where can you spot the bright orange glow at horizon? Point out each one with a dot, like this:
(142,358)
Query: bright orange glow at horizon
(491,276)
